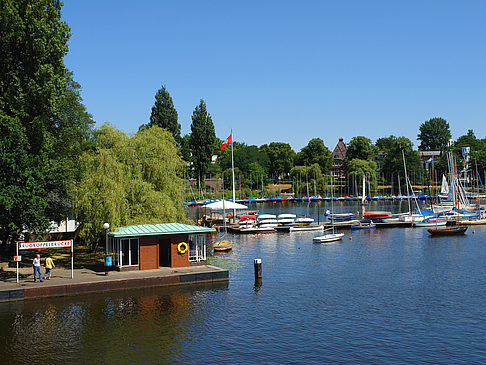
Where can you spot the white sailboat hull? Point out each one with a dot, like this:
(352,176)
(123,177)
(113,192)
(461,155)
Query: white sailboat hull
(330,237)
(306,228)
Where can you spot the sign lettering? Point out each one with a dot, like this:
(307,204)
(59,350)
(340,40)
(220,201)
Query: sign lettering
(44,244)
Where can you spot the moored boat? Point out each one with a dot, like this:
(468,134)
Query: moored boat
(304,220)
(329,237)
(430,223)
(377,214)
(223,246)
(306,228)
(473,222)
(364,226)
(447,231)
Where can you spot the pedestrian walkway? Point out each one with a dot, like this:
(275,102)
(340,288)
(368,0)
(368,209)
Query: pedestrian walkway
(90,281)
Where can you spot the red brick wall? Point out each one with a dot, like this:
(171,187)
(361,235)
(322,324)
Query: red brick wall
(149,253)
(178,259)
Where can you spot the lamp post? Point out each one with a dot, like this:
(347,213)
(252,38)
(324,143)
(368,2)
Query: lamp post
(106,226)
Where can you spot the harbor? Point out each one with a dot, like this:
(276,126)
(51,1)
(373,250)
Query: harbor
(387,293)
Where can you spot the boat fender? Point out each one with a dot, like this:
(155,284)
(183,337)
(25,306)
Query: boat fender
(229,215)
(182,248)
(350,238)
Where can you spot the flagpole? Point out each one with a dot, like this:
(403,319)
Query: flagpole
(233,174)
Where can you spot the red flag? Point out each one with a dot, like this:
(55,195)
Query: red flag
(226,143)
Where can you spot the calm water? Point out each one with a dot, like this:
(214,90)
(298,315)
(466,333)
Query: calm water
(386,296)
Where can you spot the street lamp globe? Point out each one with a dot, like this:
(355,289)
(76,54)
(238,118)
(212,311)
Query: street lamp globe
(106,225)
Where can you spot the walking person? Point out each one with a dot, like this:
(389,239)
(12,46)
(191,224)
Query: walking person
(37,267)
(49,266)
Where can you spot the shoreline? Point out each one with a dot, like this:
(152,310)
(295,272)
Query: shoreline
(87,281)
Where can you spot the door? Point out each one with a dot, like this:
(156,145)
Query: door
(129,252)
(164,252)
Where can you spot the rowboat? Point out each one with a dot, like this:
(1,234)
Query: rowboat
(377,214)
(340,217)
(222,246)
(364,226)
(447,231)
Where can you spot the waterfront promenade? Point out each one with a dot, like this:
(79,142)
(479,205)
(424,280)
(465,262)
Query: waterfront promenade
(90,281)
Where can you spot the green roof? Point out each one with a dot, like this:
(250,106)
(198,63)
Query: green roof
(158,229)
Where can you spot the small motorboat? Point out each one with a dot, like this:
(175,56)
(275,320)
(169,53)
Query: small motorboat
(329,237)
(223,246)
(447,231)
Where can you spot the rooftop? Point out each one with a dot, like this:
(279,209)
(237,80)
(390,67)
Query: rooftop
(158,229)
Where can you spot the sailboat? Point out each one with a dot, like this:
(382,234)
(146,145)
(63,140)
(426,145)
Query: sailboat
(329,237)
(417,217)
(363,196)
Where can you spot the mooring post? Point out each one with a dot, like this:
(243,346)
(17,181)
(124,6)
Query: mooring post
(257,265)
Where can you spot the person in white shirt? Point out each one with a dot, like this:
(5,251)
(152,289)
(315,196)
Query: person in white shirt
(37,267)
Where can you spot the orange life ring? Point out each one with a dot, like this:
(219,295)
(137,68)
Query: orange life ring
(229,215)
(182,248)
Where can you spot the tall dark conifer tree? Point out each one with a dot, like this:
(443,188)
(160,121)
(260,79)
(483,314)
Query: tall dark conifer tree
(202,140)
(165,115)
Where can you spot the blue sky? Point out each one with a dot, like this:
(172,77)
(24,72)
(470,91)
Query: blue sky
(284,71)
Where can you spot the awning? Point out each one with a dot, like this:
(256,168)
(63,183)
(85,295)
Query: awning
(227,205)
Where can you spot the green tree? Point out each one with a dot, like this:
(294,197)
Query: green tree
(186,147)
(33,86)
(315,152)
(244,157)
(468,140)
(385,143)
(129,180)
(164,114)
(281,157)
(434,135)
(358,168)
(307,178)
(393,161)
(202,140)
(361,148)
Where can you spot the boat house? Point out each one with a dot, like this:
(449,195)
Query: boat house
(149,246)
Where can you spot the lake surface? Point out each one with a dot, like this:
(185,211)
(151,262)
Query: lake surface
(392,295)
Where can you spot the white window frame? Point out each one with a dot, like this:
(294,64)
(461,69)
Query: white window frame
(197,254)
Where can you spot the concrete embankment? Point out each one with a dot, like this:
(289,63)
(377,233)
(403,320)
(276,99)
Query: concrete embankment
(87,281)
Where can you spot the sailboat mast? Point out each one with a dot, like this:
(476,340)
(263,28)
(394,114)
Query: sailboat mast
(363,196)
(233,174)
(406,182)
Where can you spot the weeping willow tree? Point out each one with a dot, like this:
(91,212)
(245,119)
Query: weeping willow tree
(358,168)
(307,180)
(129,180)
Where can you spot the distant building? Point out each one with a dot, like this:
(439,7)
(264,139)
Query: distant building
(429,156)
(338,155)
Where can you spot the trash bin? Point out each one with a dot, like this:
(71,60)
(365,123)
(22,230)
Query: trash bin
(108,261)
